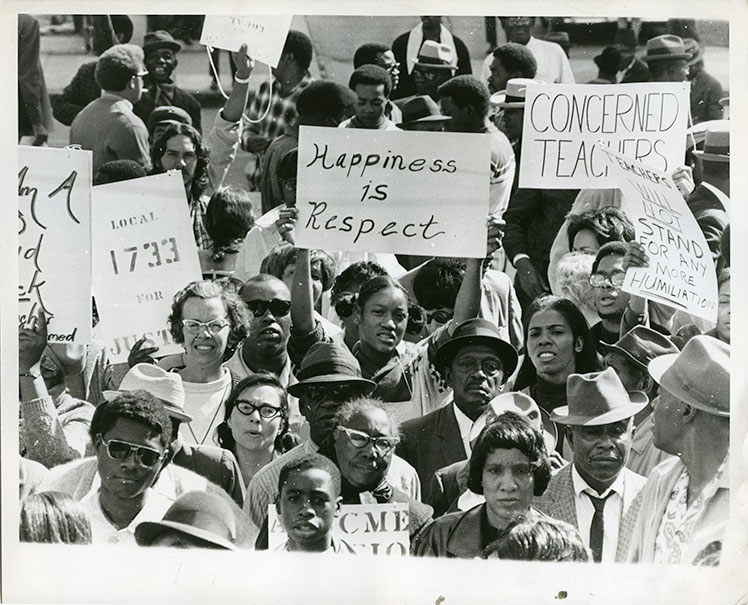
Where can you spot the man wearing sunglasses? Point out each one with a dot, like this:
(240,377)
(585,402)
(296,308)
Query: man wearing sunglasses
(264,349)
(329,376)
(619,311)
(129,479)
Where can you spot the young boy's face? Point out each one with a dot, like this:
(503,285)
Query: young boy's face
(307,505)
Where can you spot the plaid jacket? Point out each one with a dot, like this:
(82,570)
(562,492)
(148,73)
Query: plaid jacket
(558,500)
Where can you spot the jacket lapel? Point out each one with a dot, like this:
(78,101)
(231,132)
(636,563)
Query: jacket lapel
(448,433)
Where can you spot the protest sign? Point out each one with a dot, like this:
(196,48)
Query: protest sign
(264,35)
(387,191)
(144,252)
(54,241)
(562,122)
(681,271)
(374,529)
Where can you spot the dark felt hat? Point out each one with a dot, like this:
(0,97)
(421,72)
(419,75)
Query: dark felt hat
(421,109)
(207,517)
(477,331)
(641,345)
(329,363)
(160,39)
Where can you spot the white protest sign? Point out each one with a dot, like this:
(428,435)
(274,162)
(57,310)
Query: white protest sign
(562,122)
(264,35)
(681,271)
(144,252)
(388,191)
(54,241)
(373,529)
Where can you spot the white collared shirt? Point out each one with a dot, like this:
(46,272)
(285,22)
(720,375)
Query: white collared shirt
(465,425)
(612,512)
(102,530)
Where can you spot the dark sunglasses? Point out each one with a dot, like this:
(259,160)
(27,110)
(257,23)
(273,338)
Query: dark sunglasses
(121,450)
(336,392)
(279,308)
(441,316)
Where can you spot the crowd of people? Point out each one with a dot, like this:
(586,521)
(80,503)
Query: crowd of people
(522,405)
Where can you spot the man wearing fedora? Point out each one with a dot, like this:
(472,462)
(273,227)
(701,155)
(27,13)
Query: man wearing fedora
(629,357)
(595,490)
(681,514)
(706,91)
(407,47)
(433,66)
(329,376)
(160,51)
(449,485)
(476,363)
(214,463)
(710,200)
(608,64)
(667,59)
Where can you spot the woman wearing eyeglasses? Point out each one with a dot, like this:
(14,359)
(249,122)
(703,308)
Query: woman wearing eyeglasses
(207,320)
(509,465)
(255,427)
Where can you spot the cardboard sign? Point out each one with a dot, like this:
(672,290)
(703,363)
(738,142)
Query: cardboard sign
(681,271)
(562,123)
(54,241)
(374,529)
(144,252)
(264,35)
(387,191)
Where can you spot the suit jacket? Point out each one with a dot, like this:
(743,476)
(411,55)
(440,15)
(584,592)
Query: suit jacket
(638,72)
(558,500)
(447,485)
(706,91)
(711,216)
(216,464)
(431,442)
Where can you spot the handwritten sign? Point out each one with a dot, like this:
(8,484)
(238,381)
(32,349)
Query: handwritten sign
(144,252)
(562,123)
(264,35)
(374,529)
(388,191)
(681,270)
(54,241)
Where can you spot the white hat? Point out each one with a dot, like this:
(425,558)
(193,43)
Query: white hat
(163,385)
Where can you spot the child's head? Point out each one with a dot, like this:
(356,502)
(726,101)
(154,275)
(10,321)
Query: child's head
(308,501)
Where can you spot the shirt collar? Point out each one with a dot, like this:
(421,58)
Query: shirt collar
(463,422)
(580,485)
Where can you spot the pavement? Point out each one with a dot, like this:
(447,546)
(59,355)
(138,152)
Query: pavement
(335,40)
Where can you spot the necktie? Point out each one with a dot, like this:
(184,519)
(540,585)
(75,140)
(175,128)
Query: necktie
(597,529)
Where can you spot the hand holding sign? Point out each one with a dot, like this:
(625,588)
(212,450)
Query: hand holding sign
(138,354)
(32,340)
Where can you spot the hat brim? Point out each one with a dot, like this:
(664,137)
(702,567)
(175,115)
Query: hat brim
(148,531)
(506,352)
(511,105)
(657,368)
(297,389)
(171,411)
(638,401)
(175,46)
(666,57)
(417,63)
(425,119)
(711,157)
(616,349)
